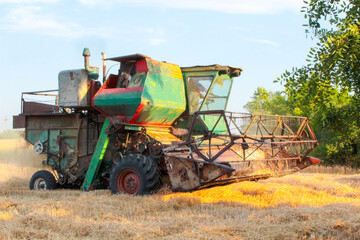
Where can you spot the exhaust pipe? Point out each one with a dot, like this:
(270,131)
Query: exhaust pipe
(104,65)
(86,54)
(93,72)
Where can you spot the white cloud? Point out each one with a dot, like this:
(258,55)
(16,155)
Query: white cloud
(227,6)
(32,19)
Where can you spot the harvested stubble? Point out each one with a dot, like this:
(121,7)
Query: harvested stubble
(300,206)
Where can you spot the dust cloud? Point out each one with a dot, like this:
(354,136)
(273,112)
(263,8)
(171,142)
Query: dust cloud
(18,162)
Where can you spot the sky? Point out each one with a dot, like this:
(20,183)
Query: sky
(40,38)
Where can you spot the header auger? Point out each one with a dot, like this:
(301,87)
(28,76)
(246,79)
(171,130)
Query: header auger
(154,123)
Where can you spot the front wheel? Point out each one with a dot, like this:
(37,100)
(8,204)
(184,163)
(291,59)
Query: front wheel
(135,174)
(42,180)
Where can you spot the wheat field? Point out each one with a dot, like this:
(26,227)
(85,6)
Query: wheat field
(299,206)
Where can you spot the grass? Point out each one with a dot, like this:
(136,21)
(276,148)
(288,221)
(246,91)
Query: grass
(299,206)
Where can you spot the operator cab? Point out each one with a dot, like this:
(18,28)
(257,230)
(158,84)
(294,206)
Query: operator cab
(208,87)
(131,71)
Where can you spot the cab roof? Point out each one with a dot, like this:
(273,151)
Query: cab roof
(129,58)
(215,67)
(206,68)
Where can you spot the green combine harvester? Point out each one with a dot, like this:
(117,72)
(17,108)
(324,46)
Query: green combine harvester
(156,123)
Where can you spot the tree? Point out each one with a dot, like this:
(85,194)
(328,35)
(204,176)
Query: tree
(334,62)
(268,102)
(327,90)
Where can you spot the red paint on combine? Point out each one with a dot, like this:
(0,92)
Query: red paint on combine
(137,114)
(120,91)
(141,66)
(314,160)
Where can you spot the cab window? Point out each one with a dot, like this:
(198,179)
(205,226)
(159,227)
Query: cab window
(197,88)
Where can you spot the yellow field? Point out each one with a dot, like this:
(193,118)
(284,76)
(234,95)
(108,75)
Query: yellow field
(300,206)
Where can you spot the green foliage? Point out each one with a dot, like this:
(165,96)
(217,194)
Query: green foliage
(327,89)
(268,102)
(334,61)
(338,132)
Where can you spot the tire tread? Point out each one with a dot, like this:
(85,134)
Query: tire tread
(147,169)
(47,176)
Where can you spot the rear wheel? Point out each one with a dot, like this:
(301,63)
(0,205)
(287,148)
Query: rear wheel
(135,174)
(42,180)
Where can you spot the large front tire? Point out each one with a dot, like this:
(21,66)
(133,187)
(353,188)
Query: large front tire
(135,174)
(42,180)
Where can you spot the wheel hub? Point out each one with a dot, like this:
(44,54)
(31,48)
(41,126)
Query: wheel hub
(128,182)
(38,147)
(40,184)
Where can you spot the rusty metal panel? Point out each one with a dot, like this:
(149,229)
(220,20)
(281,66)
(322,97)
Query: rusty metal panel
(182,174)
(52,121)
(19,121)
(53,141)
(189,174)
(87,137)
(36,108)
(83,138)
(210,172)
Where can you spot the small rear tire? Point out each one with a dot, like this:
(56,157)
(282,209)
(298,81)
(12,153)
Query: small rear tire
(42,180)
(135,174)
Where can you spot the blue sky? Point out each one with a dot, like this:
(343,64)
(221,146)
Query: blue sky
(39,38)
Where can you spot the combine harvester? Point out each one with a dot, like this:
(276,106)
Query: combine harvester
(155,123)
